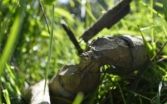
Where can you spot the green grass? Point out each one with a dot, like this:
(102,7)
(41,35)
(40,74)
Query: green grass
(29,52)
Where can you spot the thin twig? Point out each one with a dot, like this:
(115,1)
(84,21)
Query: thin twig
(72,37)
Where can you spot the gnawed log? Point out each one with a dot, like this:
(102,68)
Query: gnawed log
(125,52)
(72,79)
(37,94)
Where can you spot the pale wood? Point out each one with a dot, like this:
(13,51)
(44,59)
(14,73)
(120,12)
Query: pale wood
(38,94)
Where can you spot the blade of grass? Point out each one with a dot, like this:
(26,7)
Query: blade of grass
(6,96)
(122,95)
(50,47)
(165,8)
(78,99)
(152,9)
(152,20)
(144,40)
(140,95)
(12,80)
(89,12)
(9,47)
(140,100)
(50,39)
(160,51)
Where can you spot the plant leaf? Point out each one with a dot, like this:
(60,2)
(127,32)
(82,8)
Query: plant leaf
(9,47)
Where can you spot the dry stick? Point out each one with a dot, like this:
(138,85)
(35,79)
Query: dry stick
(108,19)
(72,38)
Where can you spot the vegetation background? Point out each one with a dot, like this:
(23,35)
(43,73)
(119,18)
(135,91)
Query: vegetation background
(34,46)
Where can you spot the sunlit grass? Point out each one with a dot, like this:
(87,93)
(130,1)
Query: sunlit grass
(42,53)
(7,53)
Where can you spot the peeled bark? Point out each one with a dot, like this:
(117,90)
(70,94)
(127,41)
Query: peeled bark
(37,94)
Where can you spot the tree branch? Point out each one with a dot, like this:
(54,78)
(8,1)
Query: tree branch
(108,19)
